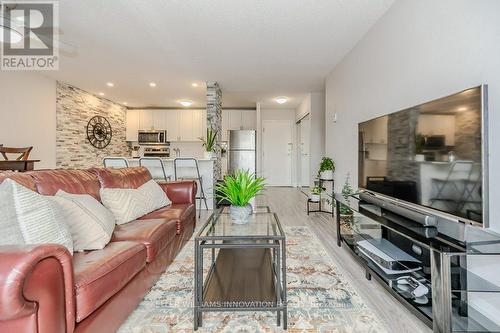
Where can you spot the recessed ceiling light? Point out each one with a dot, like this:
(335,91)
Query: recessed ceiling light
(281,99)
(186,103)
(462,108)
(194,84)
(125,103)
(152,84)
(101,94)
(110,84)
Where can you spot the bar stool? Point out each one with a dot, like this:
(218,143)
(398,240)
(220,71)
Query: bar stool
(156,168)
(190,164)
(115,162)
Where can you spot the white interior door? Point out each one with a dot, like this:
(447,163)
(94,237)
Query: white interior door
(277,147)
(305,157)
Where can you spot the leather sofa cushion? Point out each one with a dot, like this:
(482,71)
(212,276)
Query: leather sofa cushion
(48,182)
(23,178)
(177,212)
(122,178)
(102,273)
(155,234)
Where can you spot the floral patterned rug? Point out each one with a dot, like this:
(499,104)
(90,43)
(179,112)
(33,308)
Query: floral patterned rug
(320,298)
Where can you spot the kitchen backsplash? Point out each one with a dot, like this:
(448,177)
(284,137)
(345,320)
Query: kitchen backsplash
(75,107)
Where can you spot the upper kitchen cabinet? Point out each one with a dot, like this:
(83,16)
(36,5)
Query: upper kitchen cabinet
(192,124)
(248,119)
(132,125)
(172,124)
(238,120)
(146,119)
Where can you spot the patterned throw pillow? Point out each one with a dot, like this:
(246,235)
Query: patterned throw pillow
(39,217)
(90,223)
(130,204)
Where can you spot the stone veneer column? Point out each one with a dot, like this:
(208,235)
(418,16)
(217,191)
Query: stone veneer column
(214,120)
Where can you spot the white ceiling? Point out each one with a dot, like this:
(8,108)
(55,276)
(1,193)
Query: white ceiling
(255,49)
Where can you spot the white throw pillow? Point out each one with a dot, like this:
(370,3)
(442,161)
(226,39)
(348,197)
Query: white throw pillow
(10,232)
(129,204)
(39,217)
(90,223)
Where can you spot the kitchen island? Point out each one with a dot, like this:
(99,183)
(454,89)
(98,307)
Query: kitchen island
(206,167)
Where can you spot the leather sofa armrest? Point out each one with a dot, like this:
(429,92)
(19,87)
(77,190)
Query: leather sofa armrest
(181,192)
(36,289)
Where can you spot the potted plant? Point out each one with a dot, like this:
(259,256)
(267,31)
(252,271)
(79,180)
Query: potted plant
(326,169)
(419,147)
(347,191)
(239,189)
(315,195)
(209,143)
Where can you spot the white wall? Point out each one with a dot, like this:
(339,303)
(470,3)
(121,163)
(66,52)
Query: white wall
(317,139)
(28,114)
(418,51)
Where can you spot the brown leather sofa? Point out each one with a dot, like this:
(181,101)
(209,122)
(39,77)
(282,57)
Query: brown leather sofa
(44,289)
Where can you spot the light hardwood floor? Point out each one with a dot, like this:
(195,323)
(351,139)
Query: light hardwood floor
(290,205)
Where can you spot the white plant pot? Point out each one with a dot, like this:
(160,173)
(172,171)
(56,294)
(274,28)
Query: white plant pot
(326,175)
(419,158)
(208,155)
(314,197)
(240,214)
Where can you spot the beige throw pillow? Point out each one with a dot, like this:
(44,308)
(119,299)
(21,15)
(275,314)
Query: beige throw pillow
(130,204)
(90,223)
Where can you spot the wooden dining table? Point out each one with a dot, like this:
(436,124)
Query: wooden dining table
(18,165)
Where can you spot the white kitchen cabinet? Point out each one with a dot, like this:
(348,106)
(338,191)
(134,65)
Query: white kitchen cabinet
(146,119)
(186,132)
(199,124)
(132,127)
(248,119)
(159,119)
(225,124)
(172,124)
(234,119)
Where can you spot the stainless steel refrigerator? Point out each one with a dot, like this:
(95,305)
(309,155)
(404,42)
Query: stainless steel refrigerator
(242,150)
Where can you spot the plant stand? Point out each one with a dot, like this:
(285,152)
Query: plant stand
(320,206)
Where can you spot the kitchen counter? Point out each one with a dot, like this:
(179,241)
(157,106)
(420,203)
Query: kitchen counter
(205,166)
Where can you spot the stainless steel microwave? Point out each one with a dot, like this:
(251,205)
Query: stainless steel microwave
(152,137)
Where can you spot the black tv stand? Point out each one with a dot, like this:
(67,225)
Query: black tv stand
(408,259)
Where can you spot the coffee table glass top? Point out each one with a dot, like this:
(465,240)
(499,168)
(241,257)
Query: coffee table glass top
(262,224)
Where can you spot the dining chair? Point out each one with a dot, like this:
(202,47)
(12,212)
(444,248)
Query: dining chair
(24,153)
(115,162)
(156,168)
(187,169)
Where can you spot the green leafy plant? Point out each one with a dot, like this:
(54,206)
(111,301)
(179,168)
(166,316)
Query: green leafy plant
(240,188)
(419,143)
(347,191)
(326,164)
(316,190)
(209,141)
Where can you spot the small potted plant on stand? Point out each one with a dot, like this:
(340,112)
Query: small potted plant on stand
(315,195)
(419,147)
(239,189)
(326,169)
(347,191)
(209,143)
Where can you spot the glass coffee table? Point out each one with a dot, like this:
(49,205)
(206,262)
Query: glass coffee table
(247,266)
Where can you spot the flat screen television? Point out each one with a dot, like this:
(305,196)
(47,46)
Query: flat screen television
(432,156)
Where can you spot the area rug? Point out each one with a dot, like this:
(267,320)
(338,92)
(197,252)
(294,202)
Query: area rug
(320,298)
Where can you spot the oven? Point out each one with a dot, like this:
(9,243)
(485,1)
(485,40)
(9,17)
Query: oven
(152,137)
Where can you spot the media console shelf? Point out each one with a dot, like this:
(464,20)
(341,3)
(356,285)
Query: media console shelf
(438,273)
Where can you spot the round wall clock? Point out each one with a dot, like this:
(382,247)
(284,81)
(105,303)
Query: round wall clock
(99,132)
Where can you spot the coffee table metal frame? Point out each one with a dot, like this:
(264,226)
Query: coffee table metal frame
(277,245)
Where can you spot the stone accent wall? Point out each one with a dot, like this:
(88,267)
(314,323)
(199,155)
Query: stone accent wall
(214,119)
(74,108)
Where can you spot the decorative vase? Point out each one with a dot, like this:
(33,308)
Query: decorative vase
(240,214)
(208,155)
(326,175)
(314,197)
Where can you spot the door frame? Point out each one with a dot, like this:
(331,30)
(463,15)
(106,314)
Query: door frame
(293,153)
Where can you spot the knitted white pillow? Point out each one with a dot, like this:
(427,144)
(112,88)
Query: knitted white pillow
(129,204)
(10,232)
(40,218)
(90,223)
